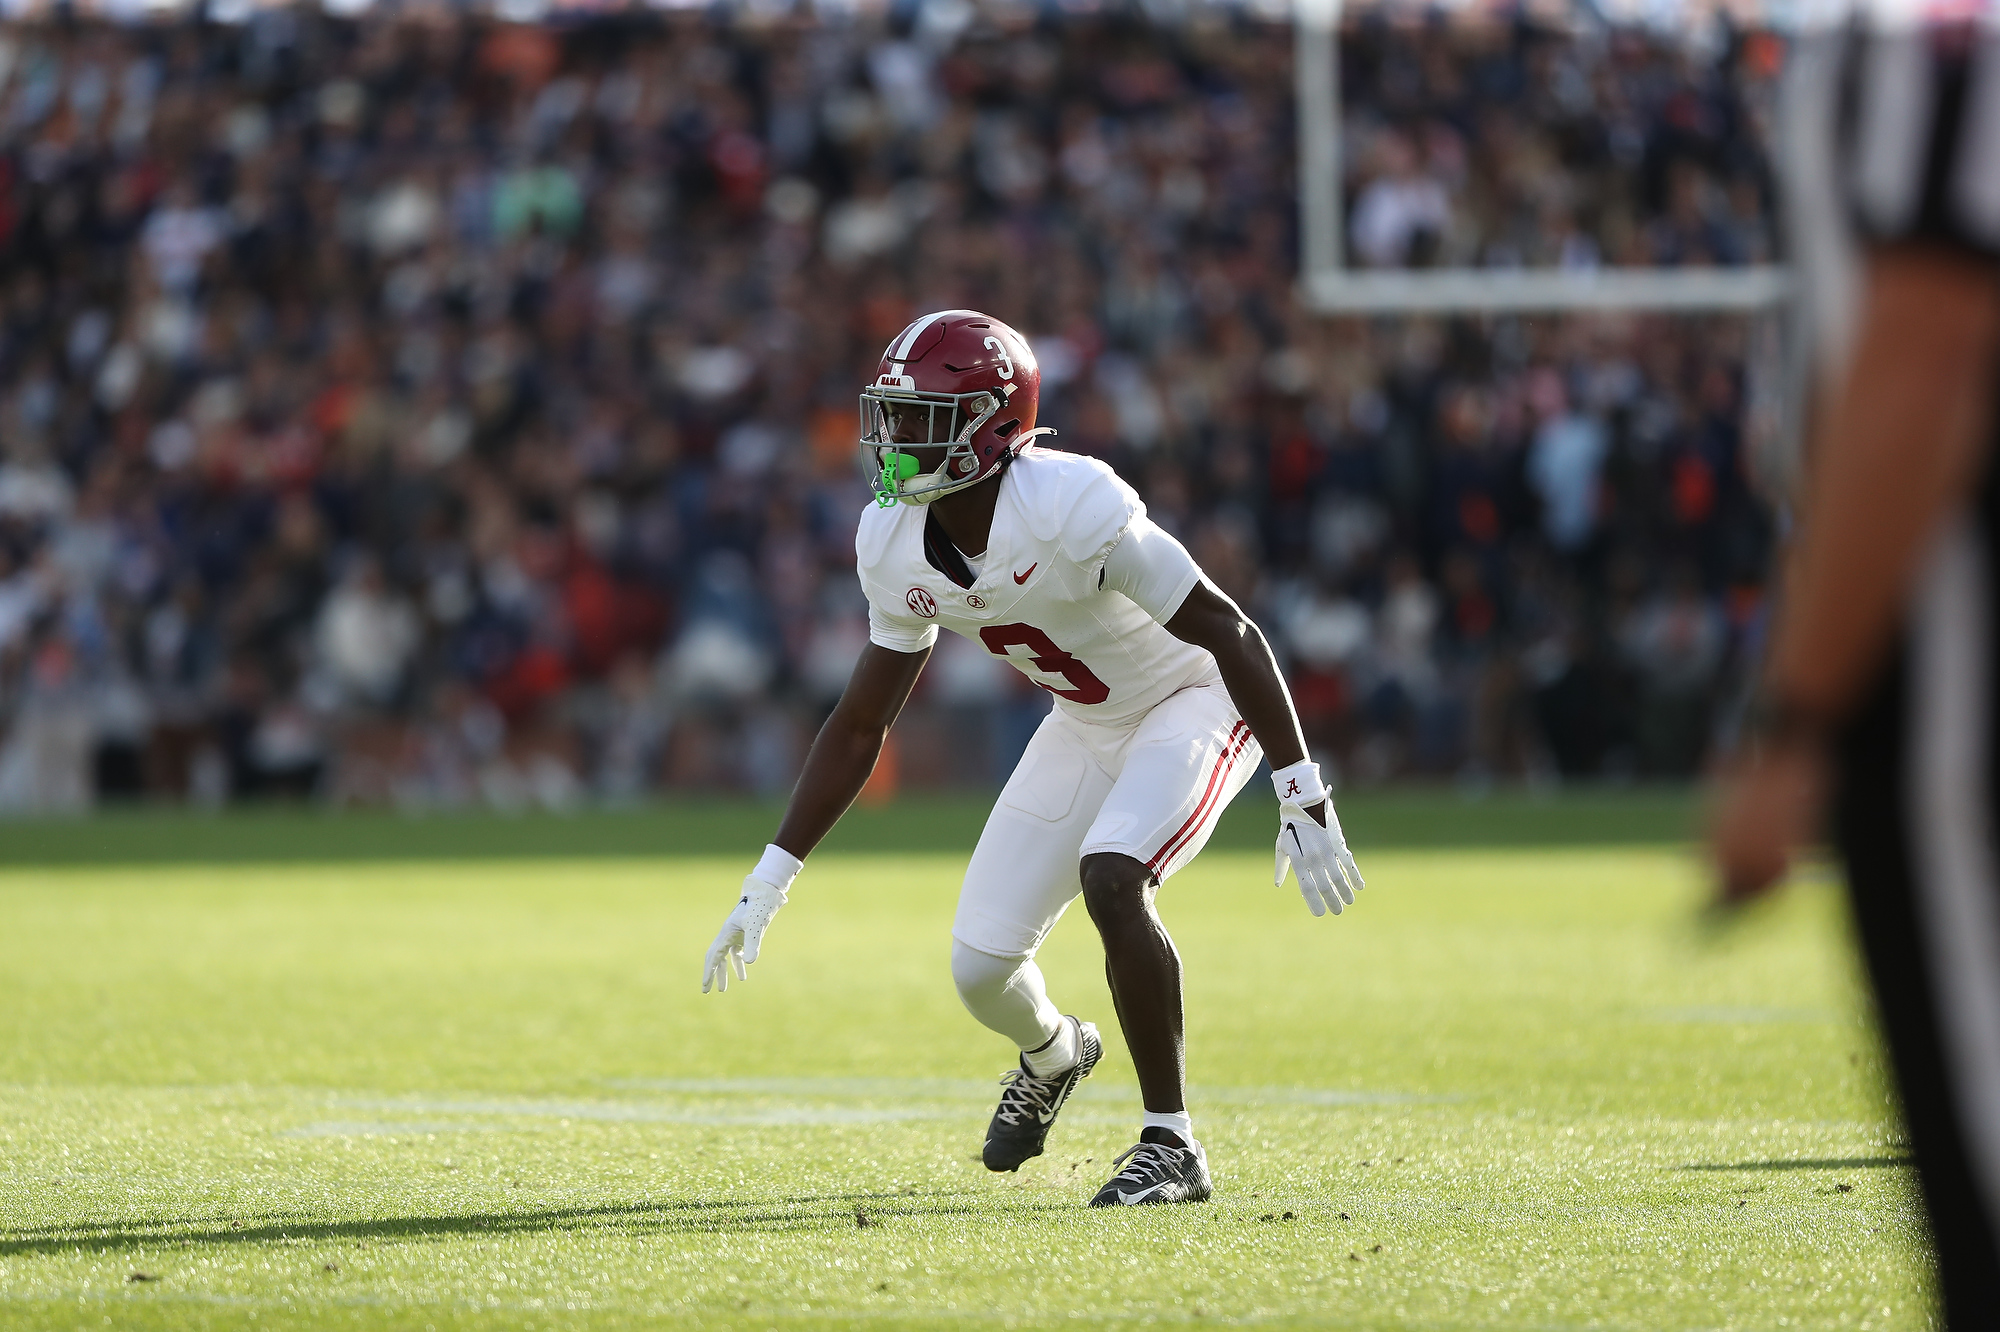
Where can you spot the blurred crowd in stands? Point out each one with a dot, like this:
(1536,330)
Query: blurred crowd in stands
(442,412)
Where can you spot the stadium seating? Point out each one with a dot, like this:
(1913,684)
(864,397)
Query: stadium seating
(446,412)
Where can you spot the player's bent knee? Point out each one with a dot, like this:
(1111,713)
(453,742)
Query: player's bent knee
(1114,885)
(1005,994)
(981,976)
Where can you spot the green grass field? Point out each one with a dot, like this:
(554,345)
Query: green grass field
(1517,1087)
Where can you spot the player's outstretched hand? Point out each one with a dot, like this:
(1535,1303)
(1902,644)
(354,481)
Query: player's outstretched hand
(1328,877)
(742,936)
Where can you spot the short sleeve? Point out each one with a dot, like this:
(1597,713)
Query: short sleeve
(1096,517)
(898,633)
(1152,568)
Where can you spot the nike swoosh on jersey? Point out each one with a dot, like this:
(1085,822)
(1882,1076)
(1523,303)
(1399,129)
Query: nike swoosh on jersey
(1021,578)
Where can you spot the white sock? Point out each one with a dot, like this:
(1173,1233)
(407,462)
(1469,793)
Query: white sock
(1181,1124)
(1062,1051)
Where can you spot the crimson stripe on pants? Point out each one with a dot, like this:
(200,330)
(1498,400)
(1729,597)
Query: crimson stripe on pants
(1239,737)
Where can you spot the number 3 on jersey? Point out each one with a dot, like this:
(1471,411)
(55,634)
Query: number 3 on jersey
(1047,658)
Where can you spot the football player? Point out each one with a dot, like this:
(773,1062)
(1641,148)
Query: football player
(1166,696)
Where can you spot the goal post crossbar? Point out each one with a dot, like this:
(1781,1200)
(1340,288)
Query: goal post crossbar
(1502,291)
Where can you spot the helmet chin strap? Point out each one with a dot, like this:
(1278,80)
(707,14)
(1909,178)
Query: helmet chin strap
(954,485)
(1006,461)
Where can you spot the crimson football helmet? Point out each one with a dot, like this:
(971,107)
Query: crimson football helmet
(957,382)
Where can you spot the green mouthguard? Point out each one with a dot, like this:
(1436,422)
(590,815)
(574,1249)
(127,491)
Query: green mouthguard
(898,467)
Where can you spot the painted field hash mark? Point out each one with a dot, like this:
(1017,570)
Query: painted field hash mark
(779,1102)
(968,1089)
(774,1103)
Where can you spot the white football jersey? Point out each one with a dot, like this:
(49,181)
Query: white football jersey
(1041,598)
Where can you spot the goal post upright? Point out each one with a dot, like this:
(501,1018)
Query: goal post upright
(1316,63)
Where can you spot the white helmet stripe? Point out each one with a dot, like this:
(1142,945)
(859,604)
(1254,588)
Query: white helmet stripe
(904,344)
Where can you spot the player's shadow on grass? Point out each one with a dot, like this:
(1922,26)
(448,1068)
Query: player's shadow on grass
(824,1212)
(1821,1163)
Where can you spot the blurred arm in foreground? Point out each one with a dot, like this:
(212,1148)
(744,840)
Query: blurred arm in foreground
(1896,447)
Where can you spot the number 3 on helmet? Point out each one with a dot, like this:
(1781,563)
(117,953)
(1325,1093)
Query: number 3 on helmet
(953,401)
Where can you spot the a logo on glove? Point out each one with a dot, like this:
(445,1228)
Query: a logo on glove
(1291,786)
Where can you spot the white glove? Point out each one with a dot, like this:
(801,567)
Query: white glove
(1328,876)
(742,936)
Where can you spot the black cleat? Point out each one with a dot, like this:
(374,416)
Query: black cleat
(1158,1170)
(1028,1104)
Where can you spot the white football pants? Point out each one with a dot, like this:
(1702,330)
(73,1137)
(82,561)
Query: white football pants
(1152,791)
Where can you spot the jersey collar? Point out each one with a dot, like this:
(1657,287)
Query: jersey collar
(941,555)
(945,558)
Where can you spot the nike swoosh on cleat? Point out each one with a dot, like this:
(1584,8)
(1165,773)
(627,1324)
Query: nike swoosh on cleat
(1021,578)
(1133,1199)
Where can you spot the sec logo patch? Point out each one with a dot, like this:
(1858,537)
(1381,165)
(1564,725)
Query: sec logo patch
(975,601)
(922,603)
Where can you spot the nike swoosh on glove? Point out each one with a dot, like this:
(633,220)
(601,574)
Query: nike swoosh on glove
(1328,877)
(742,936)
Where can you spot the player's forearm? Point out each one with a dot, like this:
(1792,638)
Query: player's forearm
(1898,446)
(844,752)
(838,766)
